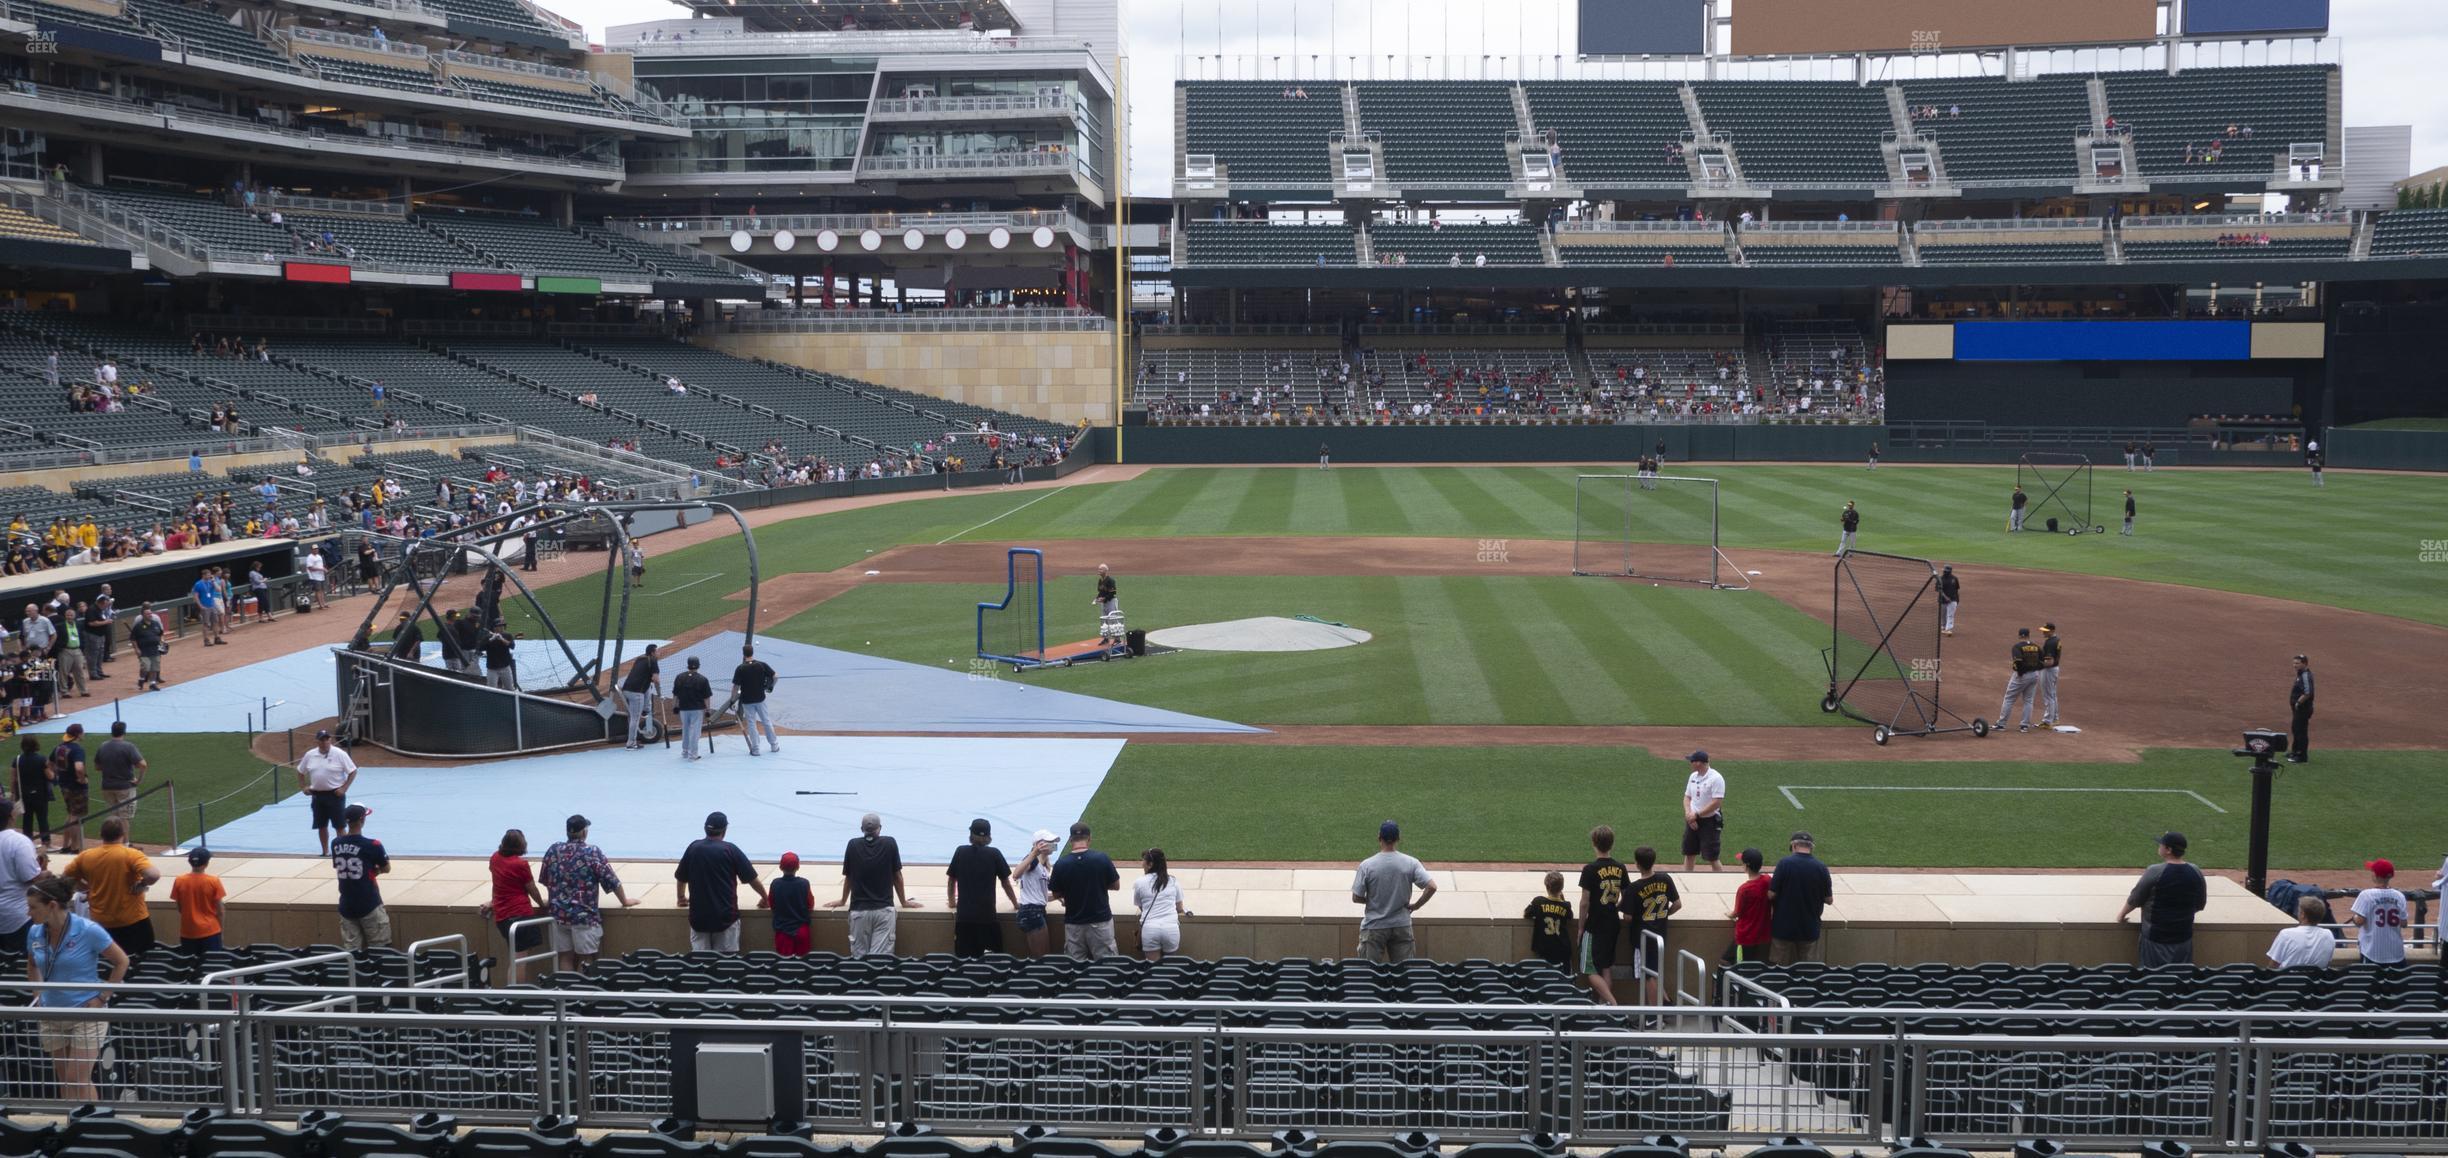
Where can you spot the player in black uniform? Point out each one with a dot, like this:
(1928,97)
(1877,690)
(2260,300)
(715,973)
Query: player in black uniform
(1874,456)
(1950,595)
(2312,458)
(2129,513)
(2299,698)
(2014,509)
(1551,922)
(1649,900)
(2131,451)
(1602,894)
(1851,521)
(2150,456)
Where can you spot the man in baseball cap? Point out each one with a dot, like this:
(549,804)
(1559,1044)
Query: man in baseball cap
(1703,812)
(2380,916)
(977,869)
(1798,895)
(357,859)
(710,872)
(1383,884)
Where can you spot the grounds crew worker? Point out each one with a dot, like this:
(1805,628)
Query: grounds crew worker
(2014,513)
(1950,595)
(1851,520)
(2052,653)
(2026,658)
(2299,697)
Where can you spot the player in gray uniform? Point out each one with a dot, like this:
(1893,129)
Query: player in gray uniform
(2052,653)
(2026,660)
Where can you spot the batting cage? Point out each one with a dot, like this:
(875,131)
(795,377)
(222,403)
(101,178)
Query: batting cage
(1883,668)
(1012,629)
(1656,527)
(2060,488)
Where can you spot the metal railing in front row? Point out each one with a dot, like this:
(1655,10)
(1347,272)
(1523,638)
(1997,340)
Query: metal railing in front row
(1734,1074)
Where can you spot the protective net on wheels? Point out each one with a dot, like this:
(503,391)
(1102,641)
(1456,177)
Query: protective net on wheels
(1883,664)
(1661,528)
(1012,628)
(2059,486)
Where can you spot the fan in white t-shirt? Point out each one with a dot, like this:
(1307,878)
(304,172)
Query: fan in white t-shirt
(2380,915)
(2307,945)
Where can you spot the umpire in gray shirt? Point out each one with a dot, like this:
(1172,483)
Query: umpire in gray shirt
(1384,884)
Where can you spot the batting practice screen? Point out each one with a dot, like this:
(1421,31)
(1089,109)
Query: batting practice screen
(1661,528)
(1883,663)
(1012,629)
(2059,486)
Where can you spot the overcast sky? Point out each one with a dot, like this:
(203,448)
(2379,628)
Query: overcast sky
(2392,50)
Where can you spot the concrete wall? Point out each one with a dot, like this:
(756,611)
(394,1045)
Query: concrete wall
(218,466)
(1060,377)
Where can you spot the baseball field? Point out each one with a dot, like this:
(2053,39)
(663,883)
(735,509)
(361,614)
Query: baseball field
(1504,705)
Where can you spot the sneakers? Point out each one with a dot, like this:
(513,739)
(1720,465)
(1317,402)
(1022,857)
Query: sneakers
(2023,727)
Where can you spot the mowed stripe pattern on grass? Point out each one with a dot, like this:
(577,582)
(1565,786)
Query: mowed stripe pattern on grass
(1455,649)
(2355,543)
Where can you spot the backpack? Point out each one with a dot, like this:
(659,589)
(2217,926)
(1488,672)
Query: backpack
(2287,894)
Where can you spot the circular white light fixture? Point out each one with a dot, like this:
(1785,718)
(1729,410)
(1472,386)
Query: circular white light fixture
(870,240)
(740,241)
(785,240)
(913,239)
(1044,237)
(956,237)
(998,237)
(828,240)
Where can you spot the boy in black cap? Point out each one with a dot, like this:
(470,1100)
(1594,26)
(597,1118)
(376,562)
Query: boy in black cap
(969,888)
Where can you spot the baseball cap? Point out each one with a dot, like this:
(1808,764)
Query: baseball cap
(356,812)
(2049,627)
(2022,632)
(1389,831)
(716,820)
(2175,842)
(790,860)
(199,857)
(322,733)
(981,827)
(1042,836)
(1949,568)
(1700,757)
(576,824)
(2303,659)
(1752,859)
(2381,867)
(1801,838)
(1079,830)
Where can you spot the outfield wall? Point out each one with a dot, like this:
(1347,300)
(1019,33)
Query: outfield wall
(2389,449)
(1057,376)
(1260,445)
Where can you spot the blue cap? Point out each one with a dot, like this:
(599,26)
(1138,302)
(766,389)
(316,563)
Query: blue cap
(1389,831)
(1697,758)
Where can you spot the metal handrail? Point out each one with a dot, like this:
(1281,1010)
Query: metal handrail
(437,981)
(518,962)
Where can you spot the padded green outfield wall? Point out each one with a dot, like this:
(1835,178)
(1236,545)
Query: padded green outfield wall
(2389,449)
(1299,444)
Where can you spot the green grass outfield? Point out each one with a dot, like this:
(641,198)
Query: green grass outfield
(2355,543)
(1264,803)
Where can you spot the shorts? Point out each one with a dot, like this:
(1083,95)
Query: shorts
(1702,839)
(528,938)
(72,799)
(62,1036)
(873,931)
(1387,946)
(725,940)
(326,808)
(370,931)
(977,938)
(1162,937)
(795,943)
(1088,942)
(1785,952)
(577,940)
(1032,918)
(135,937)
(1597,953)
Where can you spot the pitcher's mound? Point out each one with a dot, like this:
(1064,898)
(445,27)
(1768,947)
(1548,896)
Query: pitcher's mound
(1265,633)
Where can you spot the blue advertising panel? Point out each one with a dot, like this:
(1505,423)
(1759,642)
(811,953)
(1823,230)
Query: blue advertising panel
(1644,27)
(2103,341)
(2224,17)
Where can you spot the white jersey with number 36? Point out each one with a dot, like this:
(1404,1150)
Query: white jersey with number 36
(2382,939)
